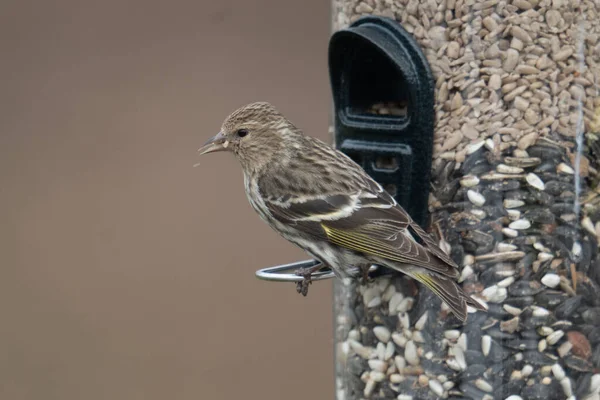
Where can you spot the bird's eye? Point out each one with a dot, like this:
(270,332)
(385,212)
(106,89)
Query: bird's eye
(242,132)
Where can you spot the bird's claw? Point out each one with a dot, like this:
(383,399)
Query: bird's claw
(302,286)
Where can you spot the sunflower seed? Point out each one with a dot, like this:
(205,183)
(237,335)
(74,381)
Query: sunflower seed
(544,330)
(436,387)
(565,169)
(566,386)
(535,181)
(394,302)
(551,280)
(486,343)
(390,349)
(508,203)
(558,372)
(420,324)
(382,333)
(507,169)
(564,349)
(510,232)
(405,305)
(452,334)
(484,385)
(512,310)
(527,370)
(377,365)
(476,198)
(587,223)
(399,339)
(540,311)
(554,337)
(469,181)
(520,224)
(369,387)
(399,362)
(473,147)
(494,294)
(410,353)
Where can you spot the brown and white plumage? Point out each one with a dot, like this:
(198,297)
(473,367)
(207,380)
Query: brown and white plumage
(319,199)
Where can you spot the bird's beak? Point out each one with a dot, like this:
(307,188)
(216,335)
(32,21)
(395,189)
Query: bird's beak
(215,143)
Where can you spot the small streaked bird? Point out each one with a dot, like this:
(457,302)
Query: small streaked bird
(319,199)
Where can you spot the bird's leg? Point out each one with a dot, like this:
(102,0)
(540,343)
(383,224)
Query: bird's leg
(364,269)
(305,273)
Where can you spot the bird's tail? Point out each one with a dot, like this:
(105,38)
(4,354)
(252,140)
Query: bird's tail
(450,292)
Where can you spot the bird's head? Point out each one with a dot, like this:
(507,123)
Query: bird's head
(255,133)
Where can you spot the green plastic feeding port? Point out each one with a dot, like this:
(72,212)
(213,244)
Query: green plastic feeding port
(384,107)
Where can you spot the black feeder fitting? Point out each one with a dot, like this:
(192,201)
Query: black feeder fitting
(376,63)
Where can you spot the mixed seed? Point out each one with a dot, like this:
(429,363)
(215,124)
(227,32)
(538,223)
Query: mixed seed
(515,202)
(537,269)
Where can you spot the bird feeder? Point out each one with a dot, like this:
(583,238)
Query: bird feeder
(482,118)
(502,148)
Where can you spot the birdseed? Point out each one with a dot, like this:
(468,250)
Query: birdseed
(516,197)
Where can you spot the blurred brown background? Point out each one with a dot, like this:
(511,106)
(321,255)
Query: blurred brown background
(124,272)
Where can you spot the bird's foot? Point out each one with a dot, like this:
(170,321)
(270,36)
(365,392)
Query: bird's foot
(306,274)
(302,286)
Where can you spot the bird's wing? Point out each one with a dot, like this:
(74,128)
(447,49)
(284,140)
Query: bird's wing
(368,221)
